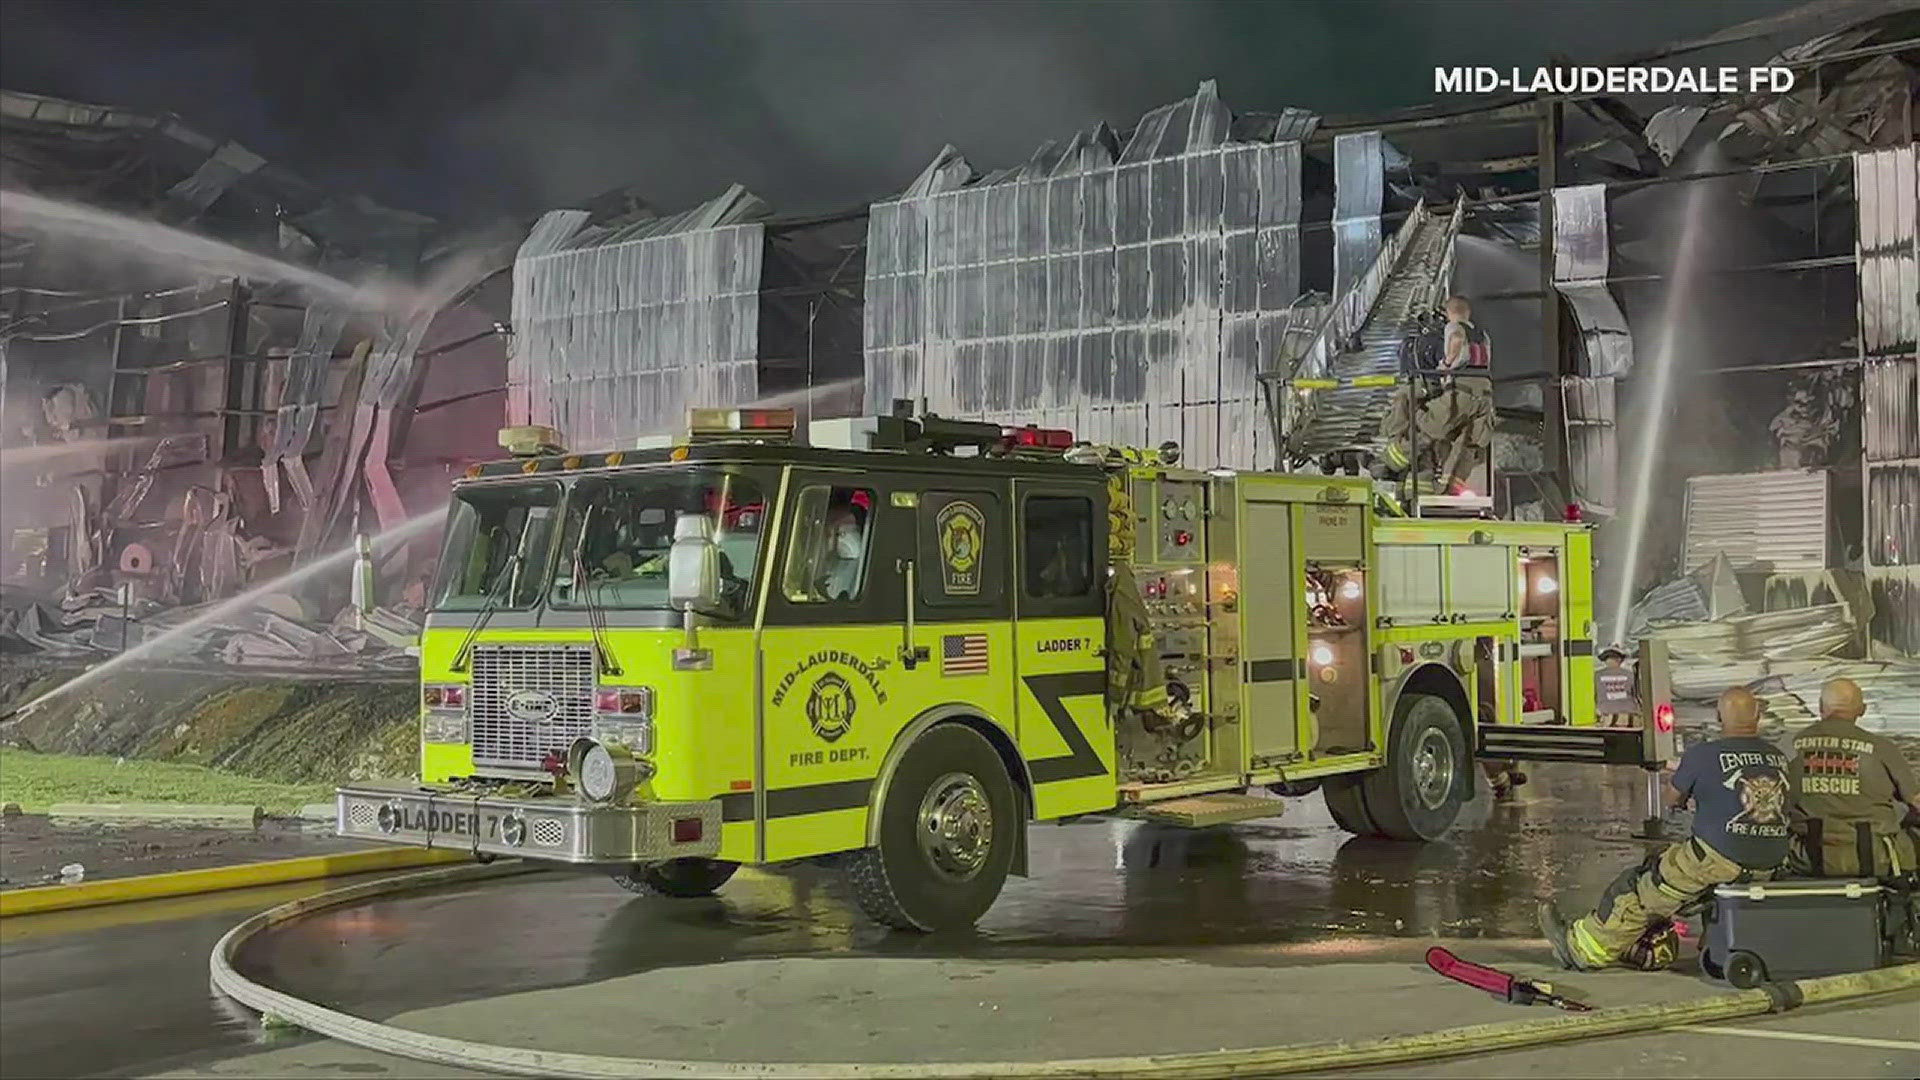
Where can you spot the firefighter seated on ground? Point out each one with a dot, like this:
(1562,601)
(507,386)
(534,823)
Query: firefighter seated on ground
(1451,419)
(1854,795)
(1738,786)
(1613,690)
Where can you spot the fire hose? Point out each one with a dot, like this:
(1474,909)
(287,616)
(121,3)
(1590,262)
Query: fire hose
(1262,1061)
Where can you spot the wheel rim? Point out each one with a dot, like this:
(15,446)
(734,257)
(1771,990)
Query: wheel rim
(1433,768)
(956,826)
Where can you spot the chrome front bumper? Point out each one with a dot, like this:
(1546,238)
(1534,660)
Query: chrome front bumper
(555,828)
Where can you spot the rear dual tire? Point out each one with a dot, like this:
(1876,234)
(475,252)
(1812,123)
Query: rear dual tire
(1416,794)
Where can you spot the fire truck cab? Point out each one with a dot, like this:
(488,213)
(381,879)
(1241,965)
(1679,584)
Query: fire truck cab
(892,643)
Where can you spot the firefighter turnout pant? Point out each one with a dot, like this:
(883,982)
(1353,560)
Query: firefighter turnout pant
(1844,849)
(1647,895)
(1454,428)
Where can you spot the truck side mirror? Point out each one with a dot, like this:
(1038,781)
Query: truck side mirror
(693,564)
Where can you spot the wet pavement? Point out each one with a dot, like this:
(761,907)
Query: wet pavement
(1293,890)
(124,992)
(1298,888)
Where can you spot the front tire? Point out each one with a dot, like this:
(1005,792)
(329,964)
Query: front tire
(948,828)
(681,879)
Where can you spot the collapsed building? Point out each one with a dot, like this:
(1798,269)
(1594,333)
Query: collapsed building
(1175,279)
(184,416)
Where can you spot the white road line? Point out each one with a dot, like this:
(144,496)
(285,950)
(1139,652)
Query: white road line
(1802,1036)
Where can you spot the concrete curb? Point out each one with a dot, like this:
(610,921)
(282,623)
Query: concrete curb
(177,814)
(216,879)
(1263,1061)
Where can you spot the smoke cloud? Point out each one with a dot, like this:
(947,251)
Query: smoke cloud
(470,111)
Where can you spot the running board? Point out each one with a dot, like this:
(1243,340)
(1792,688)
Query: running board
(1542,742)
(1201,811)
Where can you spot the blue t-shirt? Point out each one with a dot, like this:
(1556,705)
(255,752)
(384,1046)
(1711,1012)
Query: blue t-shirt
(1739,790)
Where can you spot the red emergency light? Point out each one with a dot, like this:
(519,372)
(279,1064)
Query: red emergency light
(1574,516)
(754,419)
(1663,717)
(1037,438)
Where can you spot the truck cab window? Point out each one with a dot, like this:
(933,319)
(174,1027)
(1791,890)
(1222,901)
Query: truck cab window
(1058,547)
(489,525)
(619,530)
(833,531)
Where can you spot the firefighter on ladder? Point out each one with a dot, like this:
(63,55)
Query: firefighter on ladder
(1455,424)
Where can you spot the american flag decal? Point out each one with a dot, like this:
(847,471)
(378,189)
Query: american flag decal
(963,654)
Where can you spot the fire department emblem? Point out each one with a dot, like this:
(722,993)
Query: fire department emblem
(962,529)
(830,707)
(1763,799)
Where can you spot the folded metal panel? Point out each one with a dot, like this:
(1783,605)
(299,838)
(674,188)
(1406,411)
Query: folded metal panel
(1760,521)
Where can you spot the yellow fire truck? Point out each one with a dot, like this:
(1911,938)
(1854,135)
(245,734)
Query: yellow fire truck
(892,642)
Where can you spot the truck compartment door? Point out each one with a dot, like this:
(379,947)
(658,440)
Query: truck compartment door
(1269,580)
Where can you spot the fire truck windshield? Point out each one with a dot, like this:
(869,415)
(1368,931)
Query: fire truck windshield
(619,530)
(489,525)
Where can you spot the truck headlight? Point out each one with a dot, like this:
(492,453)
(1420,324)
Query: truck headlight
(604,773)
(634,735)
(444,727)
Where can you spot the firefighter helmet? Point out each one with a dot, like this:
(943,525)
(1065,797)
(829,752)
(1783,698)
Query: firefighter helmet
(1656,949)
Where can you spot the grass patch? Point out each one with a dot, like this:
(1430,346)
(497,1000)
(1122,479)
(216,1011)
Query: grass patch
(37,781)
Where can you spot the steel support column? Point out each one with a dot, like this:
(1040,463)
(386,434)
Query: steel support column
(1554,443)
(236,426)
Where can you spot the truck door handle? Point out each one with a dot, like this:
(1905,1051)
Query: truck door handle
(910,653)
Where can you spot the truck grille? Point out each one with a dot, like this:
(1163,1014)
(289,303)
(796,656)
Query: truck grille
(504,674)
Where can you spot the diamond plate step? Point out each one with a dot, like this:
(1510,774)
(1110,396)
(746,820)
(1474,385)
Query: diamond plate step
(1201,811)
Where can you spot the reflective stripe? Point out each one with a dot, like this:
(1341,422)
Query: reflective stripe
(1586,949)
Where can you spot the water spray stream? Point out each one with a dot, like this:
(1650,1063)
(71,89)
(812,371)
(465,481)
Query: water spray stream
(169,248)
(1640,494)
(25,456)
(228,607)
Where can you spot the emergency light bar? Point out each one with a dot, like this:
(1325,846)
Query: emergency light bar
(531,440)
(760,425)
(1037,438)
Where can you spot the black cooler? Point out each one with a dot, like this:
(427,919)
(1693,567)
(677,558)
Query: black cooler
(1774,931)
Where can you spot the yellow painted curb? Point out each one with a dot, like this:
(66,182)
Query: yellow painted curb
(217,879)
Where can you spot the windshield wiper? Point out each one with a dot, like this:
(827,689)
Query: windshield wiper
(585,592)
(501,585)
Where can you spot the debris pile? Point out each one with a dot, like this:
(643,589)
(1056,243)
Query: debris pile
(1891,691)
(1715,641)
(278,632)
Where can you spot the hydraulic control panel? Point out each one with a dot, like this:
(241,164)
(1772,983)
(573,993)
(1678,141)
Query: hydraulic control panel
(1170,569)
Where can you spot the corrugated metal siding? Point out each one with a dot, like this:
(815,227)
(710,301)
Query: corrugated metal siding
(1359,187)
(1581,261)
(1887,186)
(615,341)
(1888,198)
(1893,515)
(1773,520)
(1130,302)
